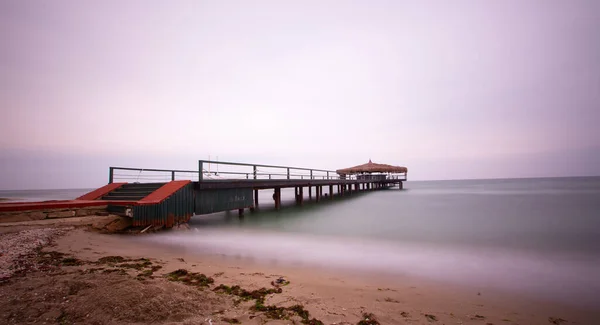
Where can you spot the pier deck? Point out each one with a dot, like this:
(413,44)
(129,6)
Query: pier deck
(163,197)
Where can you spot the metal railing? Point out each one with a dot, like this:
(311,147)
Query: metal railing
(258,171)
(236,171)
(149,174)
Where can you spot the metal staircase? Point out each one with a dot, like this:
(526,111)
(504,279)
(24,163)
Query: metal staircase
(132,191)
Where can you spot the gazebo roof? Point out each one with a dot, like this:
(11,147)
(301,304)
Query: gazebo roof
(372,167)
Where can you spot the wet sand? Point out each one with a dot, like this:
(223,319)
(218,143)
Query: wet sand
(121,294)
(334,296)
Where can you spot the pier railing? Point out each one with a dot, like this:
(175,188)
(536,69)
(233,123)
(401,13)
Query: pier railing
(220,170)
(149,175)
(215,170)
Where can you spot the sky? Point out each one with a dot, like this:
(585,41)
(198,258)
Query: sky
(452,90)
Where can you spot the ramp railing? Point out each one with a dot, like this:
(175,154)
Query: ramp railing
(149,175)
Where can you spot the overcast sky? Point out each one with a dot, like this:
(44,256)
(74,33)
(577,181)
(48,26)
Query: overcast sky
(450,89)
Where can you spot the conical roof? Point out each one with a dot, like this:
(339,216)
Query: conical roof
(372,167)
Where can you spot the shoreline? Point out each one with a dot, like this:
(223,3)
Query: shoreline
(329,295)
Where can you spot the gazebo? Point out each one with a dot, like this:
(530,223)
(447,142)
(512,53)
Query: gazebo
(374,171)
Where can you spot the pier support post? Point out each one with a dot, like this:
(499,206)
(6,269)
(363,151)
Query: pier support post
(317,194)
(298,195)
(400,185)
(310,192)
(255,199)
(331,192)
(301,195)
(241,213)
(277,198)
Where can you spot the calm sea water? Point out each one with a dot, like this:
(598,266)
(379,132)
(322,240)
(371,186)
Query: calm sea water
(41,195)
(538,237)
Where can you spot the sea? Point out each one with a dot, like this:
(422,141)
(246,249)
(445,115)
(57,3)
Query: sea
(535,237)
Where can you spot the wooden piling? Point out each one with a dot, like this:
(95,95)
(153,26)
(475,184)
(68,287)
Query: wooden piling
(310,192)
(277,198)
(331,192)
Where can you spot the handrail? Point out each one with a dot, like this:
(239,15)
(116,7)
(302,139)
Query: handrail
(255,172)
(111,171)
(259,165)
(285,172)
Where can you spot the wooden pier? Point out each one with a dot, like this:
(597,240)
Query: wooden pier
(163,197)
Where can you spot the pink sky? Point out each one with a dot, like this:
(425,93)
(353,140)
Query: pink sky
(471,89)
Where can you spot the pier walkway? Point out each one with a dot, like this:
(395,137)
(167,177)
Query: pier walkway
(163,197)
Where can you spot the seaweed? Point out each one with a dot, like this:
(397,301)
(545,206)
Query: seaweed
(190,278)
(368,319)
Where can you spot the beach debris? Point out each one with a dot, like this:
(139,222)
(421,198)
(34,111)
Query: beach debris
(404,314)
(477,316)
(368,319)
(180,259)
(16,247)
(71,261)
(388,299)
(431,318)
(280,282)
(231,320)
(145,229)
(111,260)
(141,263)
(557,321)
(236,290)
(270,311)
(190,278)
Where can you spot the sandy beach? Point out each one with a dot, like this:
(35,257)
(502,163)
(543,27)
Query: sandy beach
(71,275)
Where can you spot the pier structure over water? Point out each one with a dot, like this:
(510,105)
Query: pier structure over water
(163,197)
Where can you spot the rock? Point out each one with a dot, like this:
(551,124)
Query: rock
(61,214)
(112,223)
(22,216)
(119,224)
(91,211)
